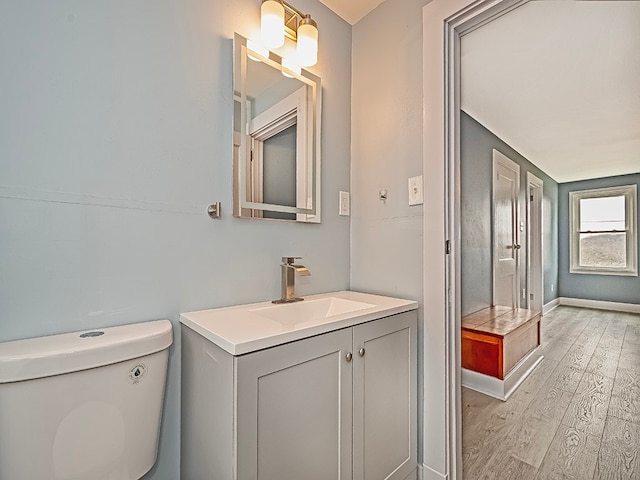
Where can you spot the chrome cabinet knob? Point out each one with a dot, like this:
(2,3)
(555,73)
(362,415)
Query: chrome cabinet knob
(348,356)
(361,352)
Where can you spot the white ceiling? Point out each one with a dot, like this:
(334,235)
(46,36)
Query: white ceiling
(352,10)
(560,83)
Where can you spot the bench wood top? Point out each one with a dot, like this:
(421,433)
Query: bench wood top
(498,320)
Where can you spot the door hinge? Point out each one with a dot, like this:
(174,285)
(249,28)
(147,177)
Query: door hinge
(531,296)
(531,198)
(447,247)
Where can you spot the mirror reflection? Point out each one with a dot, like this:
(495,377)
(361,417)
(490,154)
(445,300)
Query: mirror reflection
(275,138)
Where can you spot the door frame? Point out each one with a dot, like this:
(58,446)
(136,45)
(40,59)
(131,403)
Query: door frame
(444,22)
(535,270)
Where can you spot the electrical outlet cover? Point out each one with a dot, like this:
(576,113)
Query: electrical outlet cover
(416,194)
(345,204)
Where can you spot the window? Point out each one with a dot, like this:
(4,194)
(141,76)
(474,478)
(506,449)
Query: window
(604,231)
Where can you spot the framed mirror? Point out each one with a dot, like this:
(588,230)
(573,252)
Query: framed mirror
(276,137)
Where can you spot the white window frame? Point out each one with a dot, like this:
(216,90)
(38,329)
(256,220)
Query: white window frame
(630,192)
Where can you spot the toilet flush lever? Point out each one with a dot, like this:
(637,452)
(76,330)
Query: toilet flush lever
(91,334)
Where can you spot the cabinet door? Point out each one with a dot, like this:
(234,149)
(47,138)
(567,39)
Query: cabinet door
(384,398)
(294,410)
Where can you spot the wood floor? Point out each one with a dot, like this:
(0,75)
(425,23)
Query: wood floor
(576,417)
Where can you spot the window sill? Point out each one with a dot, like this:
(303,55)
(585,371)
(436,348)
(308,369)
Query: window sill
(617,273)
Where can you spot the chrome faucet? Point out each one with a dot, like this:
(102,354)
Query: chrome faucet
(289,269)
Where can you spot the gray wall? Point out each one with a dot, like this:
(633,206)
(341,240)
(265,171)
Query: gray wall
(476,165)
(611,288)
(386,235)
(115,135)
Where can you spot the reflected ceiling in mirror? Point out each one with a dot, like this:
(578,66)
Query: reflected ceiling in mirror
(276,138)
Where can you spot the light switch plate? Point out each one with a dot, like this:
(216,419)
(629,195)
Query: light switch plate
(345,204)
(416,194)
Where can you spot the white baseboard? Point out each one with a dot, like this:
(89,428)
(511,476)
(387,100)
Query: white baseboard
(502,389)
(547,307)
(427,473)
(600,305)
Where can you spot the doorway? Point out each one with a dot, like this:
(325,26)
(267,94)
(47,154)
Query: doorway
(444,23)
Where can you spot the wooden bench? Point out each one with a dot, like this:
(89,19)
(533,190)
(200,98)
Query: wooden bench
(495,339)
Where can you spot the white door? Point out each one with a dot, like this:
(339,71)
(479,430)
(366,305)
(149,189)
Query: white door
(534,243)
(506,186)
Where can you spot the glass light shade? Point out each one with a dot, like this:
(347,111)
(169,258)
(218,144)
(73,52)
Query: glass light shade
(289,66)
(253,48)
(272,23)
(307,49)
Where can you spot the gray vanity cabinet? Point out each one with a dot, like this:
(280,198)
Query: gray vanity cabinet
(340,405)
(385,398)
(294,410)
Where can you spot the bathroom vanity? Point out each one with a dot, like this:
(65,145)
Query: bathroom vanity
(320,389)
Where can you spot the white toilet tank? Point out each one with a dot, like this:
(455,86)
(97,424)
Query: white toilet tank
(85,405)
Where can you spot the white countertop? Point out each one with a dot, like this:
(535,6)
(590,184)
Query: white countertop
(246,328)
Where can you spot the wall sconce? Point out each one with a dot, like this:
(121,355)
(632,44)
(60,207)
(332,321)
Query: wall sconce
(279,19)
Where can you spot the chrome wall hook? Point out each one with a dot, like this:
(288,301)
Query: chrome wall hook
(214,210)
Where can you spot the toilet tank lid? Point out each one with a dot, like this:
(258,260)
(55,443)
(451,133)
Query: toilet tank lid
(70,352)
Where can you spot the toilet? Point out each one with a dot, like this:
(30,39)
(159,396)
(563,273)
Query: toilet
(84,405)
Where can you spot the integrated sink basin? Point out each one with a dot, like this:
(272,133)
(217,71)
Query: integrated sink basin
(310,310)
(242,329)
